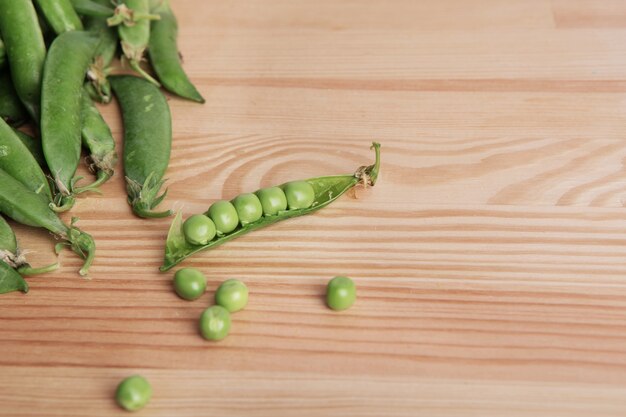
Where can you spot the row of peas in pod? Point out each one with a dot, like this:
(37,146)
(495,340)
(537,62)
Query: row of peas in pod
(223,217)
(57,59)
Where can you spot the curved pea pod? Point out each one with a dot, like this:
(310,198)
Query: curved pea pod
(147,142)
(26,207)
(11,254)
(165,57)
(97,138)
(12,110)
(17,161)
(93,8)
(60,15)
(133,20)
(326,190)
(99,68)
(26,50)
(34,146)
(61,101)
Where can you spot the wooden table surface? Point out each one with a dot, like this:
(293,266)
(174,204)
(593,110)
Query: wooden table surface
(490,258)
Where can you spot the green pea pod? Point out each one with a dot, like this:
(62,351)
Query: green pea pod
(3,54)
(11,255)
(11,280)
(8,240)
(99,68)
(326,190)
(26,50)
(147,142)
(11,108)
(34,146)
(26,207)
(97,138)
(133,20)
(165,57)
(61,100)
(93,8)
(17,161)
(60,14)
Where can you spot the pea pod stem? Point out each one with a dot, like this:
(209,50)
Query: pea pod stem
(129,17)
(62,203)
(326,190)
(143,198)
(101,178)
(26,207)
(11,255)
(133,20)
(136,66)
(29,270)
(99,68)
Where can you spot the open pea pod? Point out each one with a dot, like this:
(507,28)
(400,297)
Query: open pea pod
(326,190)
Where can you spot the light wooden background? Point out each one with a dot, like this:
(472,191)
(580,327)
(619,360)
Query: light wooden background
(490,259)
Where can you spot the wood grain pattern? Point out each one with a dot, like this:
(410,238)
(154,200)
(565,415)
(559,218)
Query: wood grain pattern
(490,258)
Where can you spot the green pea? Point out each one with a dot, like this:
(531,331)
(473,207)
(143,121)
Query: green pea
(215,323)
(133,393)
(248,208)
(340,293)
(232,294)
(273,200)
(189,283)
(199,229)
(224,215)
(300,194)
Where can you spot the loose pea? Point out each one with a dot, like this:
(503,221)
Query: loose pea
(248,208)
(133,393)
(199,229)
(215,323)
(232,294)
(224,215)
(189,283)
(273,200)
(340,293)
(300,194)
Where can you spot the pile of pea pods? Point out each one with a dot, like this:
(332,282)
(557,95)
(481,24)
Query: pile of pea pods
(56,59)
